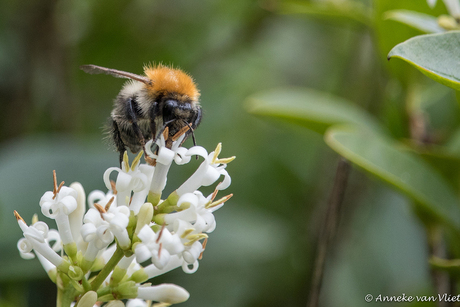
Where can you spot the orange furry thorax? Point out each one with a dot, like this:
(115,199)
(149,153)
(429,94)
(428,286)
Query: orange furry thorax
(167,79)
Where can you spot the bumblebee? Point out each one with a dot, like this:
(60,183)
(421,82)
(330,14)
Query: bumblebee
(165,99)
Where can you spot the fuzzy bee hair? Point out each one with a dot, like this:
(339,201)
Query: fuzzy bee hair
(146,105)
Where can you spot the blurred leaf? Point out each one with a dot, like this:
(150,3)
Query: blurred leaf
(416,20)
(408,173)
(309,108)
(347,10)
(389,33)
(435,55)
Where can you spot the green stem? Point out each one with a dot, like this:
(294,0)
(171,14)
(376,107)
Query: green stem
(116,257)
(65,296)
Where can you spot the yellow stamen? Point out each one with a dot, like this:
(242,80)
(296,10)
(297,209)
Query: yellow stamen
(225,160)
(34,218)
(195,237)
(126,161)
(216,152)
(136,160)
(218,202)
(187,232)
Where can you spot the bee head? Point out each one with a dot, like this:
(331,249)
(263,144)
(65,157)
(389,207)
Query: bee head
(170,81)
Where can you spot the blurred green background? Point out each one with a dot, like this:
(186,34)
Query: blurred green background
(262,252)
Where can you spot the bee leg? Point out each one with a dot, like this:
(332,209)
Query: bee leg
(132,116)
(121,147)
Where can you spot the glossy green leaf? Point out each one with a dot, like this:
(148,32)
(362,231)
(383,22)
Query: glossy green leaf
(309,108)
(423,22)
(435,55)
(385,159)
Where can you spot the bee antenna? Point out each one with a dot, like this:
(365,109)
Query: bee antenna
(193,135)
(191,131)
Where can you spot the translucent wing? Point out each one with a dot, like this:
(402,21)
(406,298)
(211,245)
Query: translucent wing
(94,69)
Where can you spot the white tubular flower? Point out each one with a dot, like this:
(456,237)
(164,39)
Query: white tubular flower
(58,205)
(165,293)
(35,239)
(131,179)
(101,198)
(197,212)
(76,217)
(101,227)
(94,232)
(208,172)
(158,246)
(163,161)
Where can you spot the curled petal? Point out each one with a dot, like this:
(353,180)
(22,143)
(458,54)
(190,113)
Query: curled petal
(25,247)
(69,204)
(190,270)
(193,253)
(197,151)
(106,176)
(88,232)
(94,197)
(227,181)
(53,235)
(181,156)
(189,199)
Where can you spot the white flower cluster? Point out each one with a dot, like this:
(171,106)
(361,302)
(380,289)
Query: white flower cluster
(129,234)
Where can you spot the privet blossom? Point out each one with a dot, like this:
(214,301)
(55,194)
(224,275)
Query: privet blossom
(109,244)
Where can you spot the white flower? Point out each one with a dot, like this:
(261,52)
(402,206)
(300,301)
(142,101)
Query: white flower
(101,227)
(35,239)
(58,205)
(131,179)
(199,211)
(208,172)
(159,247)
(164,159)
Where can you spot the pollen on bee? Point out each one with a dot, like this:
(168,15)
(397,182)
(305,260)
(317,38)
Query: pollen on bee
(169,79)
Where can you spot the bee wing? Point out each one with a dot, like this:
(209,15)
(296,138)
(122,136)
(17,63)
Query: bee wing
(94,69)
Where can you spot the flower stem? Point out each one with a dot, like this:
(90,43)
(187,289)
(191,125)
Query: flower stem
(116,257)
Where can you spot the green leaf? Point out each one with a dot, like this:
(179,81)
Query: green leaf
(435,55)
(309,108)
(333,10)
(383,158)
(420,21)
